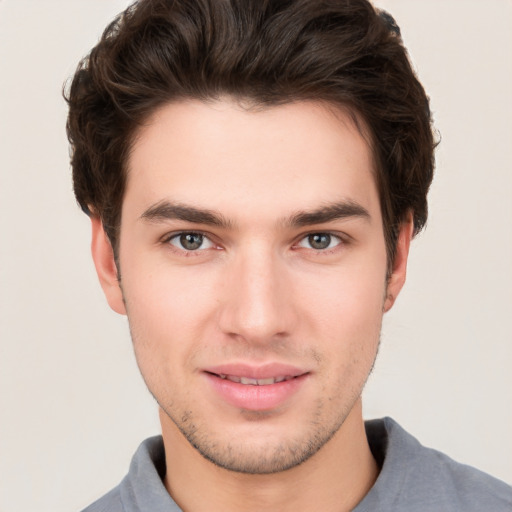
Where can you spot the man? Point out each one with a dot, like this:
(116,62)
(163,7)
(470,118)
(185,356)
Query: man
(254,173)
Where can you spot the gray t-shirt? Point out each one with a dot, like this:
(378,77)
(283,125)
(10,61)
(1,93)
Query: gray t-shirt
(412,479)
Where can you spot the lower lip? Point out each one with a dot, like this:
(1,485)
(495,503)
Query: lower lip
(256,398)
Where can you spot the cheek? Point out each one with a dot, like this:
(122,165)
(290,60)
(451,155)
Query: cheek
(168,311)
(348,298)
(344,314)
(164,294)
(164,334)
(352,323)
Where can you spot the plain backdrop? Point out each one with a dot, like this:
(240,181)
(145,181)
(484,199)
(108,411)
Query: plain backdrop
(73,407)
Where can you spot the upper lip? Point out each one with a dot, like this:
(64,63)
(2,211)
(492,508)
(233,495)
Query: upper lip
(265,371)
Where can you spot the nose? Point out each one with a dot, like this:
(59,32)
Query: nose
(257,299)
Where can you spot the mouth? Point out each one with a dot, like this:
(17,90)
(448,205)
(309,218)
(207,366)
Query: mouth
(252,388)
(250,381)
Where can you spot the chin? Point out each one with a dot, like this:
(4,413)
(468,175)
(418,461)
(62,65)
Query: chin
(259,446)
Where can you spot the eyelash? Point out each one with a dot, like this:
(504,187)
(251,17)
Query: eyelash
(188,252)
(340,240)
(327,250)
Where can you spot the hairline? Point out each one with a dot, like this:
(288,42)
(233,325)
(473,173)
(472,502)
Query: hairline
(342,112)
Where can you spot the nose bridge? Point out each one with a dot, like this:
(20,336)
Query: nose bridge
(255,305)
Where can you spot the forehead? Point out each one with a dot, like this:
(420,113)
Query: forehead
(223,156)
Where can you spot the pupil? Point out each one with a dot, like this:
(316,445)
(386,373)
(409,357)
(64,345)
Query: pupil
(320,240)
(191,241)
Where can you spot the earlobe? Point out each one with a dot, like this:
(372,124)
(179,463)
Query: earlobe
(399,270)
(105,264)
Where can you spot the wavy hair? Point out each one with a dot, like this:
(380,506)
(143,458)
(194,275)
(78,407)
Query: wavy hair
(269,52)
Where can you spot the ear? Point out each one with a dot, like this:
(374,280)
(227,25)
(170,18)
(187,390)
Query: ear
(399,270)
(105,264)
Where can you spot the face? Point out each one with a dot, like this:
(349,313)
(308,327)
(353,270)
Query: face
(253,273)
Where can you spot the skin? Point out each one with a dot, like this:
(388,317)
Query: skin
(256,291)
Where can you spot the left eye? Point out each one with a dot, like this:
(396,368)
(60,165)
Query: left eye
(191,241)
(319,241)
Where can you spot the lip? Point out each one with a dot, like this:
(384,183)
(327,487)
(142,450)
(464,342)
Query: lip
(265,371)
(253,397)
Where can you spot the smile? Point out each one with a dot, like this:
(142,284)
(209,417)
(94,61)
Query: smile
(255,382)
(256,389)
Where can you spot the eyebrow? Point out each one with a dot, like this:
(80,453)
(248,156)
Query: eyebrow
(165,210)
(328,213)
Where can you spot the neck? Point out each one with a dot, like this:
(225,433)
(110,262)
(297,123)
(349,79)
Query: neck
(336,478)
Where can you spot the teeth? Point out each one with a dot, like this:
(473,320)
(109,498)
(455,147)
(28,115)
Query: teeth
(255,382)
(266,382)
(247,380)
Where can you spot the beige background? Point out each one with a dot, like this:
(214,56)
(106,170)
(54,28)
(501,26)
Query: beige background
(73,407)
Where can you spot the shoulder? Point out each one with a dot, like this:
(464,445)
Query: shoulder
(414,477)
(463,486)
(110,502)
(142,487)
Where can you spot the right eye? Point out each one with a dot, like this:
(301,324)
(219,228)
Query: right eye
(320,241)
(190,241)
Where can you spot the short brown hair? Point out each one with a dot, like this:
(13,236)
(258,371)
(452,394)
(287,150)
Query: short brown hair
(269,52)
